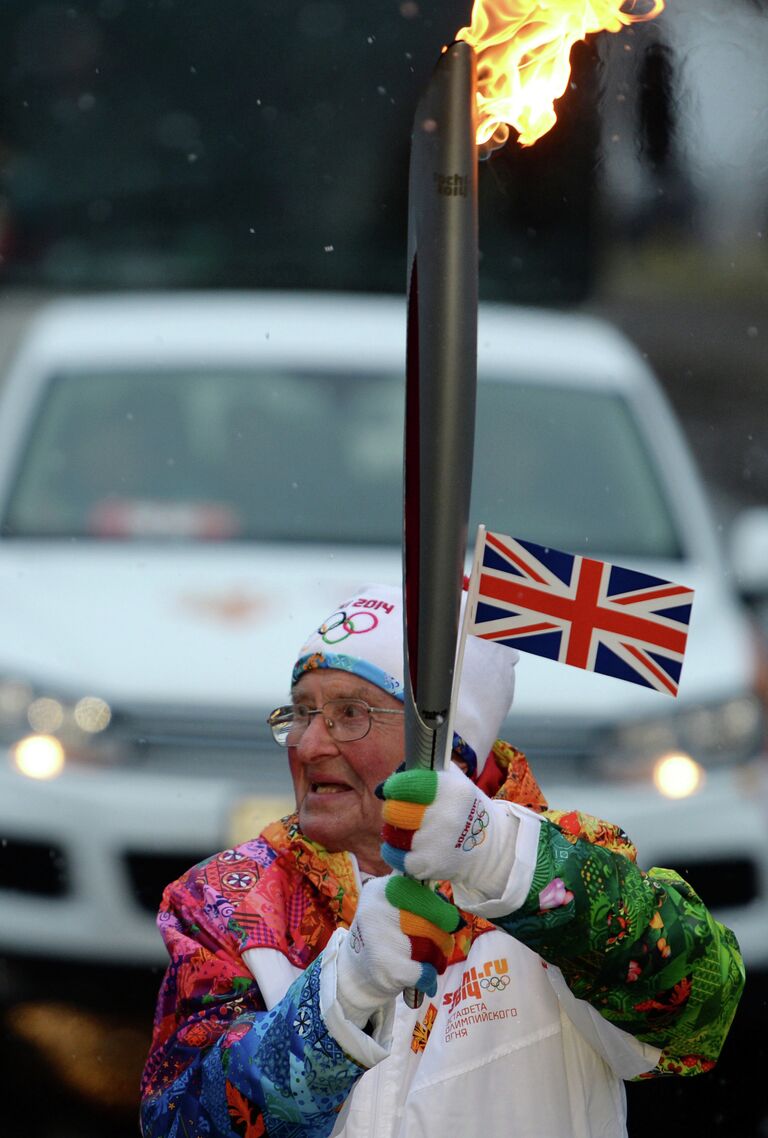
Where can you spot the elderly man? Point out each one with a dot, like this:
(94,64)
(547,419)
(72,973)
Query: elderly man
(552,967)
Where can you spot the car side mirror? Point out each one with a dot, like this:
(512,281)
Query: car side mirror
(749,554)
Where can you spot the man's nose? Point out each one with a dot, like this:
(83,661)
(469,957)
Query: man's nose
(317,741)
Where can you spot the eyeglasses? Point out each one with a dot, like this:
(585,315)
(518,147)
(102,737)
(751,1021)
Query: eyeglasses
(345,719)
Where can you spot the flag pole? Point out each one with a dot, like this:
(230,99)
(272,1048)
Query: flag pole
(468,619)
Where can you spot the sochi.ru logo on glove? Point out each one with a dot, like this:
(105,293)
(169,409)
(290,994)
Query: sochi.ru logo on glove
(475,830)
(478,831)
(356,942)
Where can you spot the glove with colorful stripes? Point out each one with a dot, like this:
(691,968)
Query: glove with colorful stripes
(439,826)
(401,937)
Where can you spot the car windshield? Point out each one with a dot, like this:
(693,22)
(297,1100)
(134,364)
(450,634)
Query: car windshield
(208,454)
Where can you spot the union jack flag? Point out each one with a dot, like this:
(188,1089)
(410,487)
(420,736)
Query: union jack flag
(580,611)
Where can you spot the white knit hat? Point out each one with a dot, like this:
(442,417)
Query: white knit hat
(364,635)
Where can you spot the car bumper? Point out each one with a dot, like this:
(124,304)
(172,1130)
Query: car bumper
(118,839)
(103,825)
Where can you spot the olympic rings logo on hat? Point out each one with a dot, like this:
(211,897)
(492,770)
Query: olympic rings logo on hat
(346,626)
(495,983)
(477,832)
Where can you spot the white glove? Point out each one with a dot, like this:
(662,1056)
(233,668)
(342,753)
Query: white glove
(439,826)
(400,938)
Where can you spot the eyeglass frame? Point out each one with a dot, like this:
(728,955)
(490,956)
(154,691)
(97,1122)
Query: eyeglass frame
(288,709)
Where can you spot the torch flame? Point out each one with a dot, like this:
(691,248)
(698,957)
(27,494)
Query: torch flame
(523,49)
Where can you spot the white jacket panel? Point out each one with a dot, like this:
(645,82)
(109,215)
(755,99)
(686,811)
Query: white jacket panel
(503,1048)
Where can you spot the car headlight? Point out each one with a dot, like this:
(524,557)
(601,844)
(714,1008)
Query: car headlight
(43,730)
(39,756)
(677,776)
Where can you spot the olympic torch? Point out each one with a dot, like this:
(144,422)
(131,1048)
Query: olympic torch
(441,380)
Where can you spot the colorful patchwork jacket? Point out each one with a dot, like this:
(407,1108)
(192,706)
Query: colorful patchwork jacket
(603,973)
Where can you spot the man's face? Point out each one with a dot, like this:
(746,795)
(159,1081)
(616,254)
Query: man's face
(334,781)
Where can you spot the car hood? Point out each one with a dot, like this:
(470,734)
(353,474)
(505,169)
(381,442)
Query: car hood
(203,625)
(221,627)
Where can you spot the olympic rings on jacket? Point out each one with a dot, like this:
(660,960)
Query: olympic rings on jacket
(495,983)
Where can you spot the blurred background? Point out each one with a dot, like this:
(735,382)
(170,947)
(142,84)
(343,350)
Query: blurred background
(182,145)
(149,145)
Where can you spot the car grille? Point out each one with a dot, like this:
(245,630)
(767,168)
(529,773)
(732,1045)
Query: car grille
(33,867)
(560,753)
(722,883)
(216,745)
(149,873)
(213,746)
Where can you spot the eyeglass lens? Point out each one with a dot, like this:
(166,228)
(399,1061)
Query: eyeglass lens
(345,719)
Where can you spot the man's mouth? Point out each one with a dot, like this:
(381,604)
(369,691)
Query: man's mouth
(329,787)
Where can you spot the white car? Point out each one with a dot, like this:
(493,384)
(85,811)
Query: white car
(189,482)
